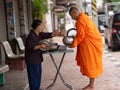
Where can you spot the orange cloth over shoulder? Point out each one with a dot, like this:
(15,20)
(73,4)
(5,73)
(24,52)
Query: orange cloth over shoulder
(89,47)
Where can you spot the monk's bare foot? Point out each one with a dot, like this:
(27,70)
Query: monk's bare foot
(88,87)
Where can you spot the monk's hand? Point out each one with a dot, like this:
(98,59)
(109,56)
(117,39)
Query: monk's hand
(69,46)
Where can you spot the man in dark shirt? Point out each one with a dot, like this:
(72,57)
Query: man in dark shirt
(33,54)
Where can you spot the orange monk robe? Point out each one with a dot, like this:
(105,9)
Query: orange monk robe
(89,47)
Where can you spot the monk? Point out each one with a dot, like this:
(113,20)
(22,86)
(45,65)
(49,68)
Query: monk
(89,47)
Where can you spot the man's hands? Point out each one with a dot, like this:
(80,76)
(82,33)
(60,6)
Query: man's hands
(43,46)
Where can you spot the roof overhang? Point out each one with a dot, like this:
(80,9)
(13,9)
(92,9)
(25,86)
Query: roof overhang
(65,2)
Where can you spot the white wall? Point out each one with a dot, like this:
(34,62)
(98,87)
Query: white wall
(80,5)
(48,19)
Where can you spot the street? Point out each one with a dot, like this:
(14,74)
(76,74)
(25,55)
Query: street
(114,56)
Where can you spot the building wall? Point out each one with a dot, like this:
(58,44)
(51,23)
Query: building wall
(3,30)
(48,18)
(25,10)
(29,14)
(23,16)
(11,25)
(17,12)
(16,18)
(80,5)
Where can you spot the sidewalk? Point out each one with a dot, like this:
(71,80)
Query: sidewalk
(109,80)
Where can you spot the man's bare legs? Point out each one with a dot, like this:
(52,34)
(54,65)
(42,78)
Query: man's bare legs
(90,86)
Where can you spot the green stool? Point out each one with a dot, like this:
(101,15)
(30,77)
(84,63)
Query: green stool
(2,81)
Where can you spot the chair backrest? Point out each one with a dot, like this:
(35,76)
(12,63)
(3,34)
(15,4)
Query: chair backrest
(7,48)
(20,43)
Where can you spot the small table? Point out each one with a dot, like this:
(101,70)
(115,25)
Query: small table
(64,51)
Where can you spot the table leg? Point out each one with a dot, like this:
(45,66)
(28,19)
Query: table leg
(58,73)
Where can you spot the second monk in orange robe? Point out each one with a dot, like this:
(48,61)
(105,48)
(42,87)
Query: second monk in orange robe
(89,47)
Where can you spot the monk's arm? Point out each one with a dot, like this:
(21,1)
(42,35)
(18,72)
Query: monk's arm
(79,36)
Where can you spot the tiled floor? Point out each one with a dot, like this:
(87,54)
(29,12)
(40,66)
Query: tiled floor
(109,80)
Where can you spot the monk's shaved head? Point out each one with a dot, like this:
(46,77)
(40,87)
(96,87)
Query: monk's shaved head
(73,9)
(74,13)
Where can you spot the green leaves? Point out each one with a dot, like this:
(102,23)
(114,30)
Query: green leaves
(40,7)
(115,0)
